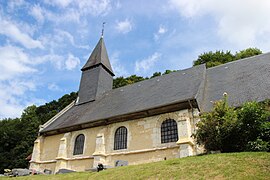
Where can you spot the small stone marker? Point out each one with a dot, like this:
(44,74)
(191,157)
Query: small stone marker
(64,171)
(21,172)
(121,163)
(47,171)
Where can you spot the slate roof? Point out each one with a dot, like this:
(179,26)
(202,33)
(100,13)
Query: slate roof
(175,87)
(99,56)
(244,80)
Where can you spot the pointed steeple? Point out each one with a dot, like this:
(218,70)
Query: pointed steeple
(99,56)
(97,75)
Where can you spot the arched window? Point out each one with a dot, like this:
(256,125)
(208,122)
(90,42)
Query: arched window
(79,144)
(169,131)
(120,138)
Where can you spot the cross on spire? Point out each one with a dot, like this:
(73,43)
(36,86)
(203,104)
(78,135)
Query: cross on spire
(102,32)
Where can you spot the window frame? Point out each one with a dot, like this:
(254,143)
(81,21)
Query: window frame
(120,138)
(169,131)
(79,144)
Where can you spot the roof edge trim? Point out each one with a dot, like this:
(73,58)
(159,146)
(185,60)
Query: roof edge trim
(42,127)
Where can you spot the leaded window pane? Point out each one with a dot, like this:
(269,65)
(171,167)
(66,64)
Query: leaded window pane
(120,138)
(79,144)
(169,132)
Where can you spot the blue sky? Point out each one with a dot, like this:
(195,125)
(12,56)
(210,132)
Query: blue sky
(43,44)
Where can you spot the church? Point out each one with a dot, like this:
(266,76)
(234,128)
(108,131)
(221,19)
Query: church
(148,121)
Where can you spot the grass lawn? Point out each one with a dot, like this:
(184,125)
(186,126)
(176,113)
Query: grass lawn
(247,165)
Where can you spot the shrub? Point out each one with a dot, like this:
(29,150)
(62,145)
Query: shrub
(230,130)
(254,127)
(257,145)
(216,127)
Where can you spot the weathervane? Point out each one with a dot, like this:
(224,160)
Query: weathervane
(102,32)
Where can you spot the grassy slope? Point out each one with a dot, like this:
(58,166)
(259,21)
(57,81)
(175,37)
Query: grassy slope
(217,166)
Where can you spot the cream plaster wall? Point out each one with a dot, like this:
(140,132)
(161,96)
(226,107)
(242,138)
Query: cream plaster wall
(50,146)
(144,144)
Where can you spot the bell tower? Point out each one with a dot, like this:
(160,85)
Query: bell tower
(97,75)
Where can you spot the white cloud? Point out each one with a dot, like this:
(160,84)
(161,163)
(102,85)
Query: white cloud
(94,7)
(56,60)
(118,68)
(162,30)
(61,3)
(148,63)
(13,4)
(54,87)
(10,30)
(67,15)
(124,26)
(76,11)
(37,12)
(12,97)
(84,7)
(16,67)
(72,62)
(190,8)
(14,62)
(243,23)
(61,37)
(57,17)
(118,4)
(35,101)
(9,110)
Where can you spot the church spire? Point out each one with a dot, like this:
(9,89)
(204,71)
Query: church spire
(97,75)
(99,56)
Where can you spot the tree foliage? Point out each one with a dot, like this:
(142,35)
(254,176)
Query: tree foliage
(249,52)
(121,81)
(253,122)
(212,59)
(230,130)
(17,135)
(216,127)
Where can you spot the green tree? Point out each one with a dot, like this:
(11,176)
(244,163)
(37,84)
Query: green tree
(119,82)
(168,72)
(134,79)
(249,52)
(17,135)
(212,59)
(10,134)
(155,74)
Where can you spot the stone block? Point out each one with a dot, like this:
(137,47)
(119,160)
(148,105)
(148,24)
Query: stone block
(64,171)
(21,172)
(120,163)
(47,171)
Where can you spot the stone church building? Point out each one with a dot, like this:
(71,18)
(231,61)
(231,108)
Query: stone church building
(148,121)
